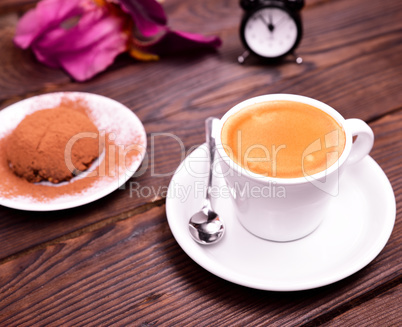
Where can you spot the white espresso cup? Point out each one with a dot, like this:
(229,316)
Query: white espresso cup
(286,209)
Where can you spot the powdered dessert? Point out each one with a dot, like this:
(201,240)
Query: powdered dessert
(53,145)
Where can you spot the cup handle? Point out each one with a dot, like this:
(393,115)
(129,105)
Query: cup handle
(364,141)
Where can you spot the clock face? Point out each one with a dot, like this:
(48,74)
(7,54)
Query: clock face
(270,32)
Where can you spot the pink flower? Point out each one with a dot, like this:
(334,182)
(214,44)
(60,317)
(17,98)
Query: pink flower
(85,36)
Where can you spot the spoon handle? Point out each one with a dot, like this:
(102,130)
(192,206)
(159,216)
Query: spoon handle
(209,124)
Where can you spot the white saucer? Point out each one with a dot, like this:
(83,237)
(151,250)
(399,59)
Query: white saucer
(360,224)
(109,116)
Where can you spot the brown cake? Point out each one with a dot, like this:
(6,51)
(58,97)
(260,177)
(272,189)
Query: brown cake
(36,150)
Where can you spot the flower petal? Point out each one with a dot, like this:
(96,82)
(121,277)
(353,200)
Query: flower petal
(87,48)
(176,41)
(148,15)
(85,36)
(46,15)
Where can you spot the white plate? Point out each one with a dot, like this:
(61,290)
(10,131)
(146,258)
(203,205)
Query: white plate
(361,221)
(108,115)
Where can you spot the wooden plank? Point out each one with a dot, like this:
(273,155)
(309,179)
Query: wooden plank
(7,6)
(383,310)
(132,272)
(21,73)
(221,74)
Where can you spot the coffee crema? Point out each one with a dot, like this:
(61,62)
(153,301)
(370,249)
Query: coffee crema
(283,139)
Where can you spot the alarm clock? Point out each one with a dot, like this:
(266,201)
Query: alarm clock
(271,29)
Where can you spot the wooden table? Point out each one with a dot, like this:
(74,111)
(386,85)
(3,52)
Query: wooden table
(115,261)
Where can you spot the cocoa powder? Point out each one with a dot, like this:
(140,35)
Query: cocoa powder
(106,172)
(43,144)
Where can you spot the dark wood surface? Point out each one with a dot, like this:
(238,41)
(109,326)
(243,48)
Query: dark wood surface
(115,261)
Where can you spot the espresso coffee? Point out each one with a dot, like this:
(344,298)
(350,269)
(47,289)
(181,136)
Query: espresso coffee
(283,139)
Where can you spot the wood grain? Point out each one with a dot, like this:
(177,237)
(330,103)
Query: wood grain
(115,261)
(205,84)
(132,272)
(380,311)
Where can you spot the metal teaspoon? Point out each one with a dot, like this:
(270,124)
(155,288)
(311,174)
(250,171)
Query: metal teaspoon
(205,226)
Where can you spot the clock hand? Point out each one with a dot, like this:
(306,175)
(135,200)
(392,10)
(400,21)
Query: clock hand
(280,21)
(260,16)
(270,20)
(269,24)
